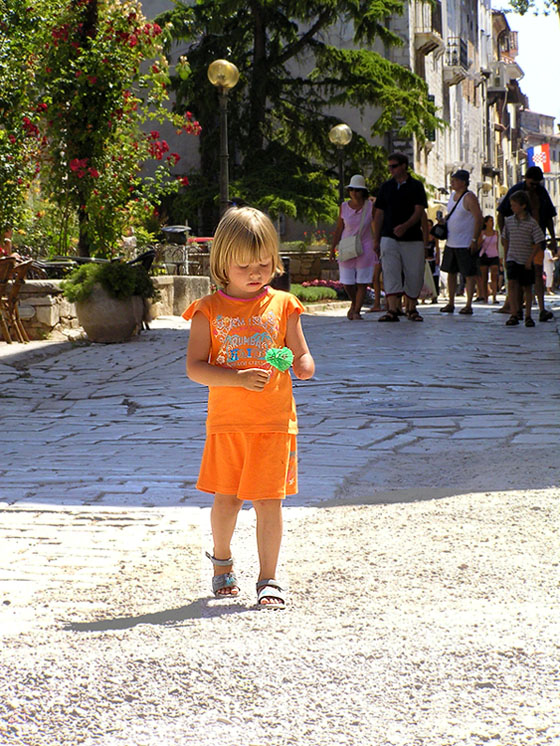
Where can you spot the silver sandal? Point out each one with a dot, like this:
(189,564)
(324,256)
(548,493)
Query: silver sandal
(225,580)
(269,588)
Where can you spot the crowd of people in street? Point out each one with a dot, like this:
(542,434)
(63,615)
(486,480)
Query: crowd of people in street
(397,242)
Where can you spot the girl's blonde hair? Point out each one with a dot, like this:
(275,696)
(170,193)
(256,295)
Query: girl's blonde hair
(243,235)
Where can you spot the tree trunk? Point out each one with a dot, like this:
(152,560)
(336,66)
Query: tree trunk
(83,240)
(258,84)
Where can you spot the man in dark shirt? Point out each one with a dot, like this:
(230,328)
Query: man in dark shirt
(399,237)
(542,209)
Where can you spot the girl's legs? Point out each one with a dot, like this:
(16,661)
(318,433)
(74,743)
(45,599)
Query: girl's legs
(377,287)
(223,518)
(494,282)
(351,293)
(482,282)
(359,300)
(269,538)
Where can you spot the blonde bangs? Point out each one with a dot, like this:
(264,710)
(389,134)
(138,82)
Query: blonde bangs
(243,235)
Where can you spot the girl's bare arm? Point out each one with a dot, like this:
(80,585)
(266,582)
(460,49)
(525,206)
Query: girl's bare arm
(303,365)
(201,371)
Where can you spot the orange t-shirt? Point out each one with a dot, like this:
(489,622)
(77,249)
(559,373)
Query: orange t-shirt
(242,331)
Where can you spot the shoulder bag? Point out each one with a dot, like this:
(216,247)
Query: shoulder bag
(350,247)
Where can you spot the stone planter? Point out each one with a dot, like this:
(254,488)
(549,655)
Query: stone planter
(109,320)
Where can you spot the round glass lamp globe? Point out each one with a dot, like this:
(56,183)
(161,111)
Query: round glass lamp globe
(340,134)
(223,74)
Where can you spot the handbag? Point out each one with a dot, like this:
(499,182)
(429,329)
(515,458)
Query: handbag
(350,247)
(440,230)
(429,286)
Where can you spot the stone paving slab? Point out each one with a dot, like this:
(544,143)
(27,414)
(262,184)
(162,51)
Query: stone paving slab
(127,414)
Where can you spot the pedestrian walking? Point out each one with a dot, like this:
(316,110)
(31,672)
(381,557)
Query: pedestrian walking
(400,238)
(548,269)
(464,223)
(488,260)
(521,237)
(250,450)
(433,256)
(355,219)
(544,212)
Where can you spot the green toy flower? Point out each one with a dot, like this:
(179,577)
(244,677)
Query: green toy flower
(279,357)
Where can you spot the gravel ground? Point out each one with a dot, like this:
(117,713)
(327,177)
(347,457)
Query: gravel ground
(421,623)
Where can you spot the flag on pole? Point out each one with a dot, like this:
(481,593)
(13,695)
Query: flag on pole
(539,156)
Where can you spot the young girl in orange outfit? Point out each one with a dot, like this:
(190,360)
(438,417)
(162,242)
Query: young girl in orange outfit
(250,450)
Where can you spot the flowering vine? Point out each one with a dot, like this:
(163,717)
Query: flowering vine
(97,92)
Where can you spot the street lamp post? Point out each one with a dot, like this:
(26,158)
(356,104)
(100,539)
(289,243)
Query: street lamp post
(340,135)
(224,75)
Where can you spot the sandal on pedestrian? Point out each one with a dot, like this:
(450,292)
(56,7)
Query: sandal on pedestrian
(269,588)
(512,321)
(414,316)
(389,316)
(529,321)
(447,309)
(466,311)
(226,580)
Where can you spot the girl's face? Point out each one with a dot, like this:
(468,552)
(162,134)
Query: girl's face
(247,280)
(489,224)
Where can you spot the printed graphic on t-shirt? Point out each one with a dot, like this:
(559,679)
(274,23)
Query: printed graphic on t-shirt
(244,342)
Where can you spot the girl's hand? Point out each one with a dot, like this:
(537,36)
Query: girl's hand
(253,379)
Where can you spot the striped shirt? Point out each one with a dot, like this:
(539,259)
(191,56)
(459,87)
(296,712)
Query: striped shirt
(521,236)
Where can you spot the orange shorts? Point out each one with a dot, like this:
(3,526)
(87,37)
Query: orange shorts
(252,466)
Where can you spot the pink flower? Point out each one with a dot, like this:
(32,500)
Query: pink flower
(94,173)
(183,181)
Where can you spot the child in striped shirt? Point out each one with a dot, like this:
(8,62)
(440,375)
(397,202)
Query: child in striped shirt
(521,238)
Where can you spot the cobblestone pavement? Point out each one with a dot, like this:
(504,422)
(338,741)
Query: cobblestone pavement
(421,553)
(122,425)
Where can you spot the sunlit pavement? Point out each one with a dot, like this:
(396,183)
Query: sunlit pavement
(456,401)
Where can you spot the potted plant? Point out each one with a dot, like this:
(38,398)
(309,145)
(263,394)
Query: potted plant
(110,299)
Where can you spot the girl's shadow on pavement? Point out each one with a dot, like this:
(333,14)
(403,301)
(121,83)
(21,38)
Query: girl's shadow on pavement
(199,609)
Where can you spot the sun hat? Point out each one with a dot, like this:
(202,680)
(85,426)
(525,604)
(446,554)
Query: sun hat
(461,174)
(357,182)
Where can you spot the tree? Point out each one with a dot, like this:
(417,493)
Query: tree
(103,75)
(536,6)
(22,26)
(291,77)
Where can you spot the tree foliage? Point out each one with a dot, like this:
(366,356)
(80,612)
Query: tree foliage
(546,7)
(293,77)
(22,30)
(78,79)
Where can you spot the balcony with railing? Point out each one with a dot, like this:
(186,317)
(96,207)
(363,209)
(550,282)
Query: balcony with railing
(428,26)
(456,61)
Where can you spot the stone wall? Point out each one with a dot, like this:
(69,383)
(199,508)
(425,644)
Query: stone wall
(304,265)
(44,310)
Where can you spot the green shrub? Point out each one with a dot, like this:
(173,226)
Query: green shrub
(118,279)
(312,294)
